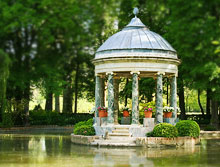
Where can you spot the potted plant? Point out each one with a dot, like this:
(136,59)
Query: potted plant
(126,112)
(167,111)
(148,109)
(102,111)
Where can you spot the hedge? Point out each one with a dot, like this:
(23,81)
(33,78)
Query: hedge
(188,128)
(55,118)
(164,130)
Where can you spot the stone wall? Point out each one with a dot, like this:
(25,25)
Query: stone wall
(84,140)
(164,141)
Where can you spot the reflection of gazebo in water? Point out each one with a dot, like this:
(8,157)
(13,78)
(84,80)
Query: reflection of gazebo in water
(134,52)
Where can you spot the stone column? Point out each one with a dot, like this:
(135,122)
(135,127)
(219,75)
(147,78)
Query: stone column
(116,105)
(173,100)
(110,119)
(97,95)
(102,91)
(159,99)
(135,98)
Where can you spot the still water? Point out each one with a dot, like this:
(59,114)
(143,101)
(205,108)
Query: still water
(22,150)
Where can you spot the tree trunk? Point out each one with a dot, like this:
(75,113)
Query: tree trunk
(199,102)
(76,87)
(68,99)
(26,103)
(57,103)
(182,100)
(49,102)
(208,101)
(214,116)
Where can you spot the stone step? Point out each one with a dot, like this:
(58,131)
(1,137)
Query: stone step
(112,140)
(119,134)
(122,127)
(121,138)
(120,131)
(113,143)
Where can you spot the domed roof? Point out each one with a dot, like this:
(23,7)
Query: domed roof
(136,36)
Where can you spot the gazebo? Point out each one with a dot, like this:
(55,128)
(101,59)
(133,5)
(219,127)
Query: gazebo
(134,52)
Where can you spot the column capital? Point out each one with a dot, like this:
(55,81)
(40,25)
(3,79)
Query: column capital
(160,72)
(98,75)
(173,75)
(111,73)
(135,72)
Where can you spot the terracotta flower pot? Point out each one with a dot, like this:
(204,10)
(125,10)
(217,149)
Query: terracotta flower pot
(148,114)
(125,114)
(102,113)
(106,114)
(167,114)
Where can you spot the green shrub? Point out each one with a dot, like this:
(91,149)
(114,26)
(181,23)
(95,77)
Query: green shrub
(210,128)
(79,124)
(85,130)
(149,134)
(188,128)
(90,122)
(165,130)
(41,117)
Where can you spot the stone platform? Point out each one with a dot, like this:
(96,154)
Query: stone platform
(130,136)
(133,130)
(116,140)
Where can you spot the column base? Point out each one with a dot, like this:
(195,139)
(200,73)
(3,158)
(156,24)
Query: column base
(126,120)
(149,122)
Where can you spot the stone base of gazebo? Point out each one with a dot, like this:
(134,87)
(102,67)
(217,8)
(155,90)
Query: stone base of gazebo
(130,130)
(103,128)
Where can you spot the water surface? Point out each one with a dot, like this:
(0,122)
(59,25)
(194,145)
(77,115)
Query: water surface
(25,150)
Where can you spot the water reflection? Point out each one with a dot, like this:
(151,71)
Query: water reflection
(50,150)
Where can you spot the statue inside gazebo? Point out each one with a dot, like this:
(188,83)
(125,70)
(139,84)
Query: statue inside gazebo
(134,52)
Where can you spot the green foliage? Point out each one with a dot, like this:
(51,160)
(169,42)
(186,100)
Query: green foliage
(4,72)
(54,118)
(210,128)
(188,128)
(7,120)
(150,134)
(165,130)
(85,130)
(88,122)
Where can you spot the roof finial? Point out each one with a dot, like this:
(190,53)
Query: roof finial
(135,11)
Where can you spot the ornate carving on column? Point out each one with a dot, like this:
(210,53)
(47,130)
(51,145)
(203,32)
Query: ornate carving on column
(159,98)
(116,94)
(173,100)
(135,98)
(110,99)
(97,95)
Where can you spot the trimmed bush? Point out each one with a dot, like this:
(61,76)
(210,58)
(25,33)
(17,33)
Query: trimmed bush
(85,130)
(188,128)
(165,130)
(88,122)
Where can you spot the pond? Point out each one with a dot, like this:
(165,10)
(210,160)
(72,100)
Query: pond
(25,150)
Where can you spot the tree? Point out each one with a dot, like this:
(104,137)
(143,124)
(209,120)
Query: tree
(4,72)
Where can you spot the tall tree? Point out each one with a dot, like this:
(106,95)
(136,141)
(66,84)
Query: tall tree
(4,72)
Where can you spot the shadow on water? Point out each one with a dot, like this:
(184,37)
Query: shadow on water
(48,150)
